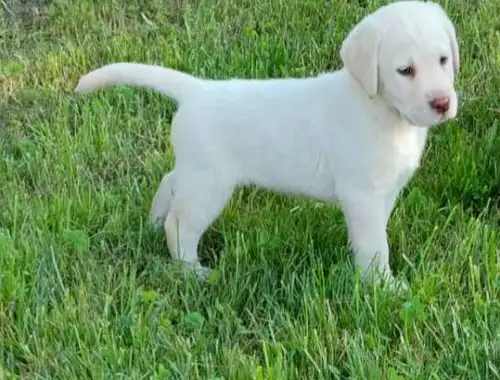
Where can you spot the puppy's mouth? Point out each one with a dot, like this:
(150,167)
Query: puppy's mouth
(425,117)
(422,117)
(411,120)
(441,116)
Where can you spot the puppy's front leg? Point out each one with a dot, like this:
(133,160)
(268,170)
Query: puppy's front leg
(366,217)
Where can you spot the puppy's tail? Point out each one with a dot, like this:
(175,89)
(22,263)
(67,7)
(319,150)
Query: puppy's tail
(175,84)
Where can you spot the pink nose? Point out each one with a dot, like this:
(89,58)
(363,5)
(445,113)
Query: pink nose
(441,105)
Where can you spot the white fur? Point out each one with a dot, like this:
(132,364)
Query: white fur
(353,137)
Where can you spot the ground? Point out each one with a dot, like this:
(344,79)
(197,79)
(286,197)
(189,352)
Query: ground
(86,288)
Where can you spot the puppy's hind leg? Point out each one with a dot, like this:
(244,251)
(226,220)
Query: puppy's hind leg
(199,198)
(162,201)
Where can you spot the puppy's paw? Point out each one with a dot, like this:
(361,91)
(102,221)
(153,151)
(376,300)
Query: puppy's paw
(386,280)
(396,285)
(199,270)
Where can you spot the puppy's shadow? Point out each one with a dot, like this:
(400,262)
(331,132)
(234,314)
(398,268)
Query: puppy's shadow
(212,244)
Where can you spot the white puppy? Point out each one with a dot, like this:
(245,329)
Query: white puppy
(353,137)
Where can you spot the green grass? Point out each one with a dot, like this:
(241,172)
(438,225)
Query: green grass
(87,291)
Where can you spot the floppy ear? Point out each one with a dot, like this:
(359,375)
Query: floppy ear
(359,53)
(450,30)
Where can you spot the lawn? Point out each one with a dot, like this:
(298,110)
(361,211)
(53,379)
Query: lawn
(86,288)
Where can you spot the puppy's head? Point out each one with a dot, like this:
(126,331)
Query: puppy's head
(407,53)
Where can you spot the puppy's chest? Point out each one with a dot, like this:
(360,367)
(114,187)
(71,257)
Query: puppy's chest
(398,156)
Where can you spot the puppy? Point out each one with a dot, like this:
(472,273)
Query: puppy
(353,137)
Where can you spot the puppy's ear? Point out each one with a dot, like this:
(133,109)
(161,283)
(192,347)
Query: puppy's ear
(359,53)
(450,30)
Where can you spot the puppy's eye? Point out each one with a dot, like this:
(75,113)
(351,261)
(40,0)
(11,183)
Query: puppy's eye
(408,71)
(443,60)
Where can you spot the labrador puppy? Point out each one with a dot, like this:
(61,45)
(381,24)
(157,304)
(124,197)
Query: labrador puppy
(353,137)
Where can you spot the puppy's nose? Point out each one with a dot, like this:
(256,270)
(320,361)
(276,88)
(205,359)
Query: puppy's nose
(441,105)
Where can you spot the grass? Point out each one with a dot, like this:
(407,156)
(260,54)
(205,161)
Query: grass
(87,291)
